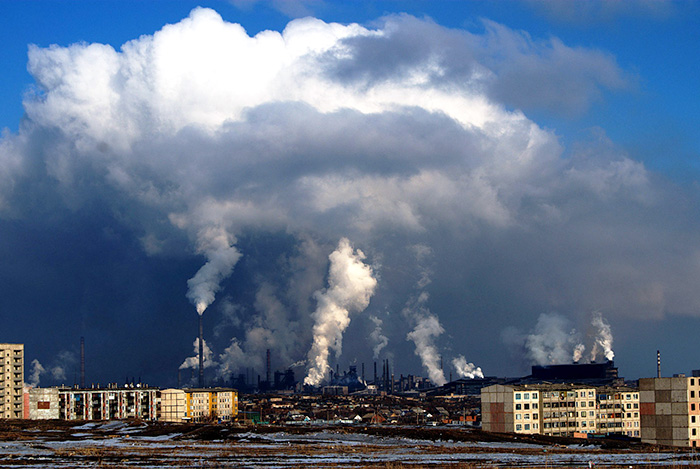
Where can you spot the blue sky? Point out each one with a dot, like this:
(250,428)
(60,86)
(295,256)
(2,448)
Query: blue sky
(504,167)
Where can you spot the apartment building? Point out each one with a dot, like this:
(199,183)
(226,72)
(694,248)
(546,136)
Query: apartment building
(560,409)
(11,381)
(670,410)
(199,405)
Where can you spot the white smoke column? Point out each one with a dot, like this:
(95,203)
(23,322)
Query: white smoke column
(218,246)
(427,328)
(579,349)
(350,287)
(380,340)
(603,337)
(193,362)
(466,370)
(37,371)
(550,343)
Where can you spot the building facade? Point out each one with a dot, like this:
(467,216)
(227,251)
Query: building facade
(111,403)
(11,381)
(670,410)
(560,409)
(199,405)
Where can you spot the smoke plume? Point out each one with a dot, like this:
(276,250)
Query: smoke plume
(466,370)
(377,337)
(603,339)
(579,349)
(550,343)
(193,362)
(350,287)
(35,375)
(217,245)
(423,335)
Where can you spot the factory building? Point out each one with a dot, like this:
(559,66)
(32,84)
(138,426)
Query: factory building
(670,410)
(198,405)
(11,381)
(560,409)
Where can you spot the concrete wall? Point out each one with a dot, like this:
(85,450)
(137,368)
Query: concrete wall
(43,403)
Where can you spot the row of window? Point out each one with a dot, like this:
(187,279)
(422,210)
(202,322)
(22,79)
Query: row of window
(520,427)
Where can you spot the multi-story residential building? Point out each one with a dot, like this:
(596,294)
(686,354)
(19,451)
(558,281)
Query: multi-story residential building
(560,409)
(199,405)
(11,381)
(670,410)
(618,411)
(94,404)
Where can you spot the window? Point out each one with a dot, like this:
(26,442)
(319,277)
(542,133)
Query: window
(534,395)
(527,416)
(692,393)
(534,426)
(692,406)
(692,419)
(526,406)
(518,396)
(518,416)
(629,406)
(527,426)
(692,382)
(534,405)
(695,431)
(518,427)
(583,413)
(583,404)
(518,406)
(526,395)
(534,417)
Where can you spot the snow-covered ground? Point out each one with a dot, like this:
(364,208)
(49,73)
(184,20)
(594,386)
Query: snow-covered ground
(85,446)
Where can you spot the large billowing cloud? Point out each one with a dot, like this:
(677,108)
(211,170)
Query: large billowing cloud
(394,137)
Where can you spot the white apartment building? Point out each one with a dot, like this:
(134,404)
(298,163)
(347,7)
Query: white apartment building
(11,381)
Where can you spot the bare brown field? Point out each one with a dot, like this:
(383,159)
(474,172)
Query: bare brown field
(135,444)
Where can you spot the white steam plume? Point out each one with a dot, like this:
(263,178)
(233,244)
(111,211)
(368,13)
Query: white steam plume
(465,369)
(35,375)
(217,245)
(579,349)
(550,343)
(378,338)
(423,335)
(350,287)
(603,338)
(193,362)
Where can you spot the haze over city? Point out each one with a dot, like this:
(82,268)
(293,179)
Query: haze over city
(487,185)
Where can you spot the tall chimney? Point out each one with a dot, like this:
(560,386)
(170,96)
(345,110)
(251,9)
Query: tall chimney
(201,353)
(658,364)
(363,372)
(82,363)
(375,374)
(268,368)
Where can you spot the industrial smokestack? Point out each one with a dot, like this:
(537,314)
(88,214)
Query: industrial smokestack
(363,372)
(82,363)
(658,364)
(201,353)
(375,374)
(268,367)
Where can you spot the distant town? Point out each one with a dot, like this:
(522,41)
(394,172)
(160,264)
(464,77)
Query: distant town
(580,400)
